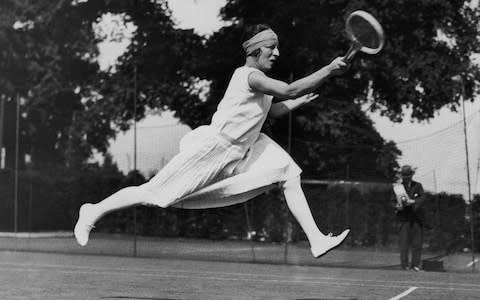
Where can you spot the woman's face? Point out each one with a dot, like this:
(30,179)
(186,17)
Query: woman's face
(267,57)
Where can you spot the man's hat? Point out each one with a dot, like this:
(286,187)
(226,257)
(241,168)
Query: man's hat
(407,171)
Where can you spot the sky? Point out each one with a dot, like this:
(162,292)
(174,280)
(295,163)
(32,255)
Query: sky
(411,136)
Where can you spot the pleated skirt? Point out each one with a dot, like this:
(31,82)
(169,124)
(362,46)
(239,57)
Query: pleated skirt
(211,170)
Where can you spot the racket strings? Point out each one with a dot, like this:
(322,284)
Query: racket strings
(364,33)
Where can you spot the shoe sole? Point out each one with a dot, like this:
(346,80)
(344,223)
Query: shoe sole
(334,247)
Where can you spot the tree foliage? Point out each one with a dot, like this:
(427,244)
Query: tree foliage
(48,63)
(156,68)
(413,71)
(69,107)
(427,42)
(49,58)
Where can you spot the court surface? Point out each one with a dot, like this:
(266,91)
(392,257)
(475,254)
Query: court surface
(41,275)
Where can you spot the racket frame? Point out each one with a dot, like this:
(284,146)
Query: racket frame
(355,45)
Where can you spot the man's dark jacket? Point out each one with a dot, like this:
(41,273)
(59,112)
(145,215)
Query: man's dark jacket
(415,212)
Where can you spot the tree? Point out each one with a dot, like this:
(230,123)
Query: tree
(71,107)
(414,70)
(158,62)
(48,62)
(168,64)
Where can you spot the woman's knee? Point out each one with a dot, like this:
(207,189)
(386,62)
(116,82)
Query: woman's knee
(293,182)
(142,192)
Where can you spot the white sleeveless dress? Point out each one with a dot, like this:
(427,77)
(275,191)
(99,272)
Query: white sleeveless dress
(228,161)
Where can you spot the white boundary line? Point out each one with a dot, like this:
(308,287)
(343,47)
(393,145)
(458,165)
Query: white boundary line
(472,263)
(244,249)
(155,270)
(202,277)
(28,235)
(399,296)
(246,277)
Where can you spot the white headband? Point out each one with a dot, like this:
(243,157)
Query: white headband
(261,39)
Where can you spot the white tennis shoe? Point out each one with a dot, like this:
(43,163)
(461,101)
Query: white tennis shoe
(328,243)
(86,219)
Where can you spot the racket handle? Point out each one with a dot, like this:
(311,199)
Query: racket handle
(354,48)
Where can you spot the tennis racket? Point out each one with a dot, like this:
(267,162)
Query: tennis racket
(365,34)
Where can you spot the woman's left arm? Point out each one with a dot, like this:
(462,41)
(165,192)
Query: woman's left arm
(280,108)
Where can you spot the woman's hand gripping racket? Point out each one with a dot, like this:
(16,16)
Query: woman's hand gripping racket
(365,34)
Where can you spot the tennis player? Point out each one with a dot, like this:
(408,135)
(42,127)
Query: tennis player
(230,161)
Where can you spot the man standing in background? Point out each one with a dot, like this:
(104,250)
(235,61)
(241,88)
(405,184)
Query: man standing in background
(411,216)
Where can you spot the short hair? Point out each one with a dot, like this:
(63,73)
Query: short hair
(251,31)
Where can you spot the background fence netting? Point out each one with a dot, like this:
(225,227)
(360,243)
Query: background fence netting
(261,230)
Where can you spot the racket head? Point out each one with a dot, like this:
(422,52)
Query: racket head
(365,31)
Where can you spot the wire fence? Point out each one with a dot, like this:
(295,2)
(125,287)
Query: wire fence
(441,157)
(262,230)
(259,228)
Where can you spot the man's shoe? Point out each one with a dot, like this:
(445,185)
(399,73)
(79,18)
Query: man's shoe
(84,224)
(417,269)
(329,243)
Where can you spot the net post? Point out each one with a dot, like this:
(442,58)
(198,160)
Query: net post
(249,228)
(287,214)
(135,156)
(17,149)
(2,117)
(347,200)
(472,235)
(469,196)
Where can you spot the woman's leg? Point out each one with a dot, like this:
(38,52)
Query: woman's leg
(187,172)
(298,205)
(404,236)
(90,213)
(416,245)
